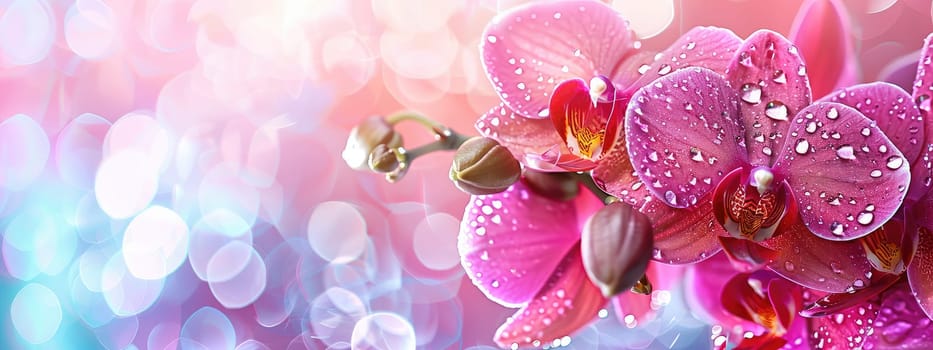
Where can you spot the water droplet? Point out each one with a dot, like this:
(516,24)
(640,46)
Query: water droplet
(832,114)
(576,53)
(776,110)
(565,69)
(865,218)
(519,71)
(802,147)
(557,15)
(653,156)
(779,77)
(802,71)
(895,162)
(876,173)
(670,197)
(643,69)
(836,228)
(544,112)
(751,93)
(835,267)
(866,131)
(495,283)
(691,45)
(811,127)
(664,69)
(923,102)
(492,39)
(789,265)
(846,152)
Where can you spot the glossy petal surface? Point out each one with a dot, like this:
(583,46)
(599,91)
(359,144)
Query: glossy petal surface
(920,270)
(528,139)
(848,329)
(528,51)
(817,263)
(509,242)
(900,323)
(707,47)
(771,79)
(566,303)
(822,34)
(683,135)
(683,236)
(847,176)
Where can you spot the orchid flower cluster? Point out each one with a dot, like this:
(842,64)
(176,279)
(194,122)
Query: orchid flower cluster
(603,162)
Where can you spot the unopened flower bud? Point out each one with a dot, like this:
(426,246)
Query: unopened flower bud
(384,159)
(364,138)
(483,166)
(556,186)
(616,247)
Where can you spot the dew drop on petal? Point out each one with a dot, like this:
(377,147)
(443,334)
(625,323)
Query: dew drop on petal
(833,113)
(670,197)
(846,152)
(876,173)
(751,93)
(779,77)
(802,147)
(865,218)
(836,228)
(776,110)
(895,162)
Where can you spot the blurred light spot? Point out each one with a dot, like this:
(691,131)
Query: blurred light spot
(36,313)
(170,26)
(350,61)
(119,333)
(419,55)
(26,31)
(209,328)
(221,189)
(78,149)
(155,243)
(214,231)
(125,294)
(337,232)
(125,184)
(89,306)
(162,335)
(90,29)
(435,241)
(139,132)
(34,242)
(90,222)
(242,287)
(24,148)
(383,331)
(646,19)
(432,15)
(875,6)
(252,344)
(334,313)
(91,267)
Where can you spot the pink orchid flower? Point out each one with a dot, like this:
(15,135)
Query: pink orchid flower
(823,35)
(522,249)
(787,180)
(760,311)
(565,71)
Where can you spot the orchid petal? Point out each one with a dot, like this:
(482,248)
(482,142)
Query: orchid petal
(839,302)
(528,51)
(746,255)
(920,270)
(566,303)
(817,263)
(683,236)
(615,175)
(900,324)
(529,140)
(821,32)
(786,300)
(772,82)
(848,329)
(588,127)
(923,83)
(848,178)
(508,242)
(682,151)
(706,281)
(893,111)
(745,296)
(707,47)
(901,71)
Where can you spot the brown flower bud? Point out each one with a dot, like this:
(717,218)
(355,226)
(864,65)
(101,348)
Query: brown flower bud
(364,138)
(384,159)
(483,166)
(616,247)
(556,186)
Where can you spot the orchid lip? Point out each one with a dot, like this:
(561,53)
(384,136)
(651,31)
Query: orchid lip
(751,204)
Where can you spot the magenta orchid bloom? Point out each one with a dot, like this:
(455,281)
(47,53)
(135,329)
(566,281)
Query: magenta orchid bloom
(822,33)
(760,311)
(565,71)
(788,180)
(522,249)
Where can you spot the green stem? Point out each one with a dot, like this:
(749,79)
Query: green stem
(587,180)
(436,127)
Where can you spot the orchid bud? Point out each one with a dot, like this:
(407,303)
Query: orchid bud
(616,247)
(556,186)
(483,166)
(364,138)
(383,159)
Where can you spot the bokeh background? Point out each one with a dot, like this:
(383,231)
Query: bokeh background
(170,170)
